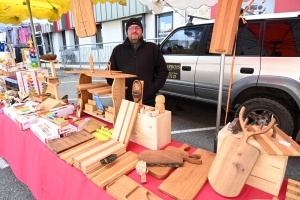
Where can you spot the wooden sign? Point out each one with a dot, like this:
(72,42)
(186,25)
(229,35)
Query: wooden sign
(83,15)
(225,27)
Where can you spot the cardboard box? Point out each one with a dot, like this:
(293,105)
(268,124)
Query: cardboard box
(268,172)
(63,110)
(152,132)
(8,111)
(27,82)
(41,85)
(56,129)
(24,122)
(43,133)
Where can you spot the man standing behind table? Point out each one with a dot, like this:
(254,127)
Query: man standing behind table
(141,58)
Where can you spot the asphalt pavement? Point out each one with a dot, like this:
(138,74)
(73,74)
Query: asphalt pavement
(192,123)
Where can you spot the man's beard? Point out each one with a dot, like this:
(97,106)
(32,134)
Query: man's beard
(134,41)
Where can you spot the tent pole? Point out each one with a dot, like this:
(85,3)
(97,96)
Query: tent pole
(33,33)
(222,66)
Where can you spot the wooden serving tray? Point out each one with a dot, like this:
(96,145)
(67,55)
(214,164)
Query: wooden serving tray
(273,147)
(92,125)
(185,182)
(124,188)
(62,144)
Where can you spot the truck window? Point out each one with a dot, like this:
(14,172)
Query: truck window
(183,42)
(282,38)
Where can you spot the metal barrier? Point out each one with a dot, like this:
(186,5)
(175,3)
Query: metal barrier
(80,54)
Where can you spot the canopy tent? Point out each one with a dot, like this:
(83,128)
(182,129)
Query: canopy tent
(16,11)
(158,5)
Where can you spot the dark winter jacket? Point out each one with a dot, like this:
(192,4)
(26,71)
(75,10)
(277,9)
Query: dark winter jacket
(146,62)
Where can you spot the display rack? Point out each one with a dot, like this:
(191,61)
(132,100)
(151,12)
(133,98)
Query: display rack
(117,90)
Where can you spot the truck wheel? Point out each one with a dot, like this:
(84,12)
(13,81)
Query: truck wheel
(259,111)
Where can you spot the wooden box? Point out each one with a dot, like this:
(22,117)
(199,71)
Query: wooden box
(152,132)
(268,171)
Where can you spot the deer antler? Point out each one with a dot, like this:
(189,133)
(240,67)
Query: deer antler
(259,131)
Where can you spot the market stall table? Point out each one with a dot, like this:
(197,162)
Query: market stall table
(49,177)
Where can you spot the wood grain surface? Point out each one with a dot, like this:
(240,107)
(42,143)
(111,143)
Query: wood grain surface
(92,125)
(185,182)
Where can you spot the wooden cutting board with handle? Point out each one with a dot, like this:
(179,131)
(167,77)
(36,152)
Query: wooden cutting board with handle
(163,172)
(170,158)
(234,161)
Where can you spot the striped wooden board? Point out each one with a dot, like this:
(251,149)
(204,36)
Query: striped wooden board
(292,190)
(122,165)
(89,161)
(273,147)
(69,154)
(72,140)
(124,124)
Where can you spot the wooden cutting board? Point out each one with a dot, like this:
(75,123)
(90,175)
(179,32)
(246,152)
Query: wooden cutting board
(234,161)
(92,125)
(185,182)
(70,141)
(124,188)
(84,19)
(106,174)
(292,190)
(170,158)
(163,172)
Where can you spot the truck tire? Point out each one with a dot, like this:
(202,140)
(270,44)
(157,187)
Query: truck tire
(259,111)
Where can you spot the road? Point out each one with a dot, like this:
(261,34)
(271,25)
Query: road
(192,123)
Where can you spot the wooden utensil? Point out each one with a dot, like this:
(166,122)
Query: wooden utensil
(170,158)
(163,172)
(234,161)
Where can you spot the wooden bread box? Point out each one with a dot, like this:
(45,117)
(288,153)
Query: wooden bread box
(152,132)
(269,170)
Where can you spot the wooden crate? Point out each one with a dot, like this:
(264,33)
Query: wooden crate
(152,132)
(268,171)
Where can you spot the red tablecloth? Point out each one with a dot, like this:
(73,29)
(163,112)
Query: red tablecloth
(48,177)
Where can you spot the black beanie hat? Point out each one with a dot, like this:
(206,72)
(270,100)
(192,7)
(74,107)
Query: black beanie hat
(135,21)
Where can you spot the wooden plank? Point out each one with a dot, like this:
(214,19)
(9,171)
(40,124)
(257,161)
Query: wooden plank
(120,120)
(293,190)
(92,125)
(68,155)
(83,15)
(273,147)
(90,85)
(121,166)
(118,94)
(129,122)
(125,188)
(185,182)
(225,26)
(67,142)
(100,90)
(98,71)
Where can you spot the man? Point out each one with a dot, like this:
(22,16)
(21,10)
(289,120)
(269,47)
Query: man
(141,58)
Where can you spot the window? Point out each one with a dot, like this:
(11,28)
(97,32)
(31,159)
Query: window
(164,24)
(248,39)
(281,38)
(76,39)
(99,38)
(184,41)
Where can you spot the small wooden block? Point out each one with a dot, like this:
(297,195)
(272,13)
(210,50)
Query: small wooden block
(92,102)
(90,108)
(92,125)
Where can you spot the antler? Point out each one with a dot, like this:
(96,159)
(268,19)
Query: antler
(260,130)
